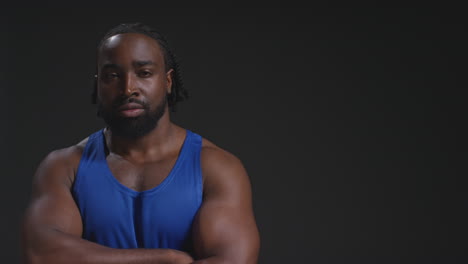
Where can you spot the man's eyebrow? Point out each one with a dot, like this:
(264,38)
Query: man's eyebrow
(110,65)
(142,63)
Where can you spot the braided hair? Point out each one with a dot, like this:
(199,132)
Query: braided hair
(179,93)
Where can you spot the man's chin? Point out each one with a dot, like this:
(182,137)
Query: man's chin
(132,127)
(133,123)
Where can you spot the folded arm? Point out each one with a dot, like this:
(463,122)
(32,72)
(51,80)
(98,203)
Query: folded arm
(52,225)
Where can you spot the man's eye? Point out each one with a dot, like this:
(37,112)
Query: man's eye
(112,75)
(145,74)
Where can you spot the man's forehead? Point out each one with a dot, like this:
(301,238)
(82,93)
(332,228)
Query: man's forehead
(130,43)
(118,38)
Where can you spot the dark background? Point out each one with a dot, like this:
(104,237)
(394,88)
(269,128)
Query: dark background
(349,121)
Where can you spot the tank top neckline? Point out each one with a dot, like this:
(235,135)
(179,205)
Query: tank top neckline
(173,172)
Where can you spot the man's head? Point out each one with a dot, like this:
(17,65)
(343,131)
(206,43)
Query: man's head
(137,77)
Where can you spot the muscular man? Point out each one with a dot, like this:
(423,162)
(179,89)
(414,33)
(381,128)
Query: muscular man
(141,190)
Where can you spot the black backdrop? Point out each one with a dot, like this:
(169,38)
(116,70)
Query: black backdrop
(348,121)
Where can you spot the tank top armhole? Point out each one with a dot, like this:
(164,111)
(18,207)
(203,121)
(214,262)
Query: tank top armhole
(79,171)
(199,172)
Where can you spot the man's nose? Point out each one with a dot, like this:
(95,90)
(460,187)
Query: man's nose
(130,86)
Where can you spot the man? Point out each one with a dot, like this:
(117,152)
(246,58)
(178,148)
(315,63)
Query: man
(142,190)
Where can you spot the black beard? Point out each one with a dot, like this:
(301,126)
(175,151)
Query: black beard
(132,127)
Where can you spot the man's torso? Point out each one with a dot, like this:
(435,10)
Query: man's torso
(150,205)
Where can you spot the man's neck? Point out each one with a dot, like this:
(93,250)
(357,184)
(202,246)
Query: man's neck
(149,147)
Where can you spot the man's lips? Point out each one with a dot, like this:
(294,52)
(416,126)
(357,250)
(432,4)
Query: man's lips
(130,106)
(131,110)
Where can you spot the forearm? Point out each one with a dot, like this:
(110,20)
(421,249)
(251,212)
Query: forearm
(55,247)
(210,260)
(223,260)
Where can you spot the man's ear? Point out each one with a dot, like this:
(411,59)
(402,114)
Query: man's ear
(169,80)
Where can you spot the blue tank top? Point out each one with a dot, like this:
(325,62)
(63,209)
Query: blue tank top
(116,216)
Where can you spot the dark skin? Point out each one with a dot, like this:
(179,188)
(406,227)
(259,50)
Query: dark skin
(224,230)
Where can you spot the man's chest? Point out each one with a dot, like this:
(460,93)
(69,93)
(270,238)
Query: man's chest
(140,176)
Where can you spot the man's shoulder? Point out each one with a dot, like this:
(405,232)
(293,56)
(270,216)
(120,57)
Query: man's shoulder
(212,154)
(64,159)
(67,155)
(220,164)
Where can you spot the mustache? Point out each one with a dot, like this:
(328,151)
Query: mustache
(125,100)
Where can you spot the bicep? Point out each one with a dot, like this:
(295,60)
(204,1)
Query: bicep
(225,232)
(54,210)
(225,226)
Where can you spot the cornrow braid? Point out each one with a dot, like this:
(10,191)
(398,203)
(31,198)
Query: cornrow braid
(179,93)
